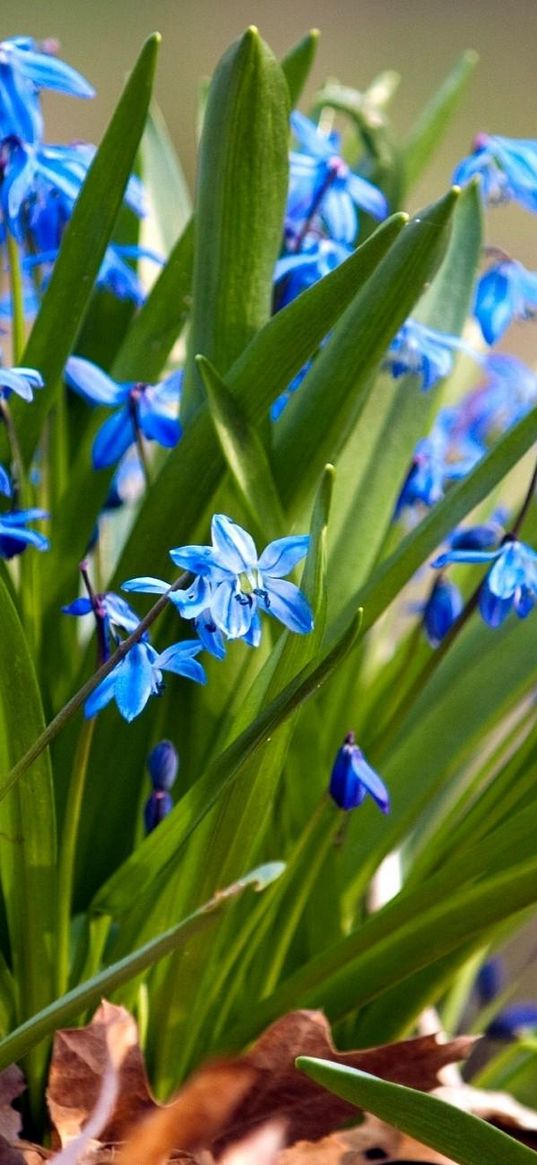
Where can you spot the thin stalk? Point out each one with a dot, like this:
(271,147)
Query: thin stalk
(18,333)
(68,852)
(133,410)
(68,711)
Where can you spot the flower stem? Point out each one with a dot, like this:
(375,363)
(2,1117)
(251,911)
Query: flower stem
(17,298)
(68,851)
(133,409)
(67,712)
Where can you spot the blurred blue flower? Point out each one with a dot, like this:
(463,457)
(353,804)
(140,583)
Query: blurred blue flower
(14,538)
(299,270)
(441,610)
(243,583)
(26,67)
(506,292)
(507,168)
(152,408)
(21,381)
(128,482)
(139,676)
(513,1021)
(353,778)
(446,455)
(510,584)
(6,487)
(322,184)
(507,394)
(424,352)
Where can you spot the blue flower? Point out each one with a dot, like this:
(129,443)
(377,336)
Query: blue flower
(194,604)
(297,271)
(21,381)
(446,455)
(25,68)
(14,538)
(242,583)
(139,676)
(505,293)
(322,184)
(424,352)
(507,168)
(510,584)
(441,610)
(151,407)
(353,778)
(513,1021)
(39,186)
(114,612)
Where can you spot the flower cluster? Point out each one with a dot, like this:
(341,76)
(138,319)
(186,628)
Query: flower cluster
(39,182)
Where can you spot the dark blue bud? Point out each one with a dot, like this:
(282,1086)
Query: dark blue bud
(157,808)
(513,1020)
(441,610)
(163,763)
(352,778)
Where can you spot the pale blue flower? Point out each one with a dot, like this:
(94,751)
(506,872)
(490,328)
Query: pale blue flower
(506,292)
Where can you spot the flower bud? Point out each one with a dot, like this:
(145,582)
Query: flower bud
(163,763)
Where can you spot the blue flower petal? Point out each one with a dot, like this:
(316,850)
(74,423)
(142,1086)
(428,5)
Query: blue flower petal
(279,557)
(493,609)
(158,426)
(232,611)
(92,383)
(80,606)
(113,439)
(136,681)
(367,196)
(192,601)
(146,585)
(6,487)
(101,695)
(287,603)
(196,559)
(370,780)
(233,546)
(210,637)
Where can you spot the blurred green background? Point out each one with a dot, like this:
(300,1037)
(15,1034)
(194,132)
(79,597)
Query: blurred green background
(419,38)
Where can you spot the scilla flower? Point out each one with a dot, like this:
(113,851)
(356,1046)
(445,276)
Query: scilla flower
(507,168)
(506,292)
(14,537)
(139,676)
(321,183)
(353,778)
(26,67)
(150,408)
(423,351)
(511,583)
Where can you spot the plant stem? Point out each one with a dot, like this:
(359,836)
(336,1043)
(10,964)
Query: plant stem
(17,298)
(67,712)
(68,851)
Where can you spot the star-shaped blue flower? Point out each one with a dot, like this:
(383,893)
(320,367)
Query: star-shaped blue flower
(507,168)
(353,779)
(424,352)
(510,584)
(152,407)
(322,184)
(139,676)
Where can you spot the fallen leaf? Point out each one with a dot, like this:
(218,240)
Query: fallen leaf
(12,1083)
(79,1060)
(310,1112)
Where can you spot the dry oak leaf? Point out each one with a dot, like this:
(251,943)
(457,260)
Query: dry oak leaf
(79,1060)
(12,1083)
(309,1111)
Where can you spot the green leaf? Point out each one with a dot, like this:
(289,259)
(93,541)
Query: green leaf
(28,828)
(163,846)
(245,455)
(172,508)
(83,246)
(318,418)
(428,130)
(164,182)
(241,193)
(465,1138)
(380,448)
(297,64)
(87,994)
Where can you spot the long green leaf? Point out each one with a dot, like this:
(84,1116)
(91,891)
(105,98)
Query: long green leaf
(298,62)
(164,182)
(462,1137)
(86,238)
(28,826)
(87,994)
(428,130)
(271,360)
(240,204)
(317,419)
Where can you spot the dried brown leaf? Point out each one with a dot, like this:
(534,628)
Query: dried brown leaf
(310,1112)
(12,1083)
(79,1060)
